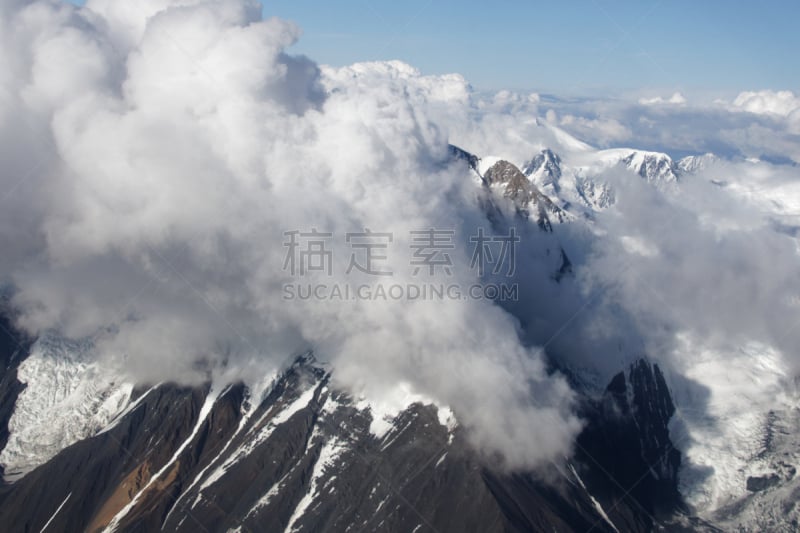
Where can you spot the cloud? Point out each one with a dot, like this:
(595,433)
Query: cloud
(154,156)
(675,99)
(692,128)
(609,130)
(781,103)
(772,103)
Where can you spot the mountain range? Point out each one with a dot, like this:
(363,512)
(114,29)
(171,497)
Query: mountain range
(84,449)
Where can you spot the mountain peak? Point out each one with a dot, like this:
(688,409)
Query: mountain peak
(523,193)
(544,170)
(694,163)
(655,167)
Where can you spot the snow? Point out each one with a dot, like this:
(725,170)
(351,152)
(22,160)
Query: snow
(441,460)
(258,391)
(721,417)
(330,451)
(594,162)
(390,403)
(329,406)
(208,404)
(252,442)
(486,163)
(265,499)
(597,506)
(447,419)
(695,163)
(567,141)
(68,397)
(54,514)
(130,408)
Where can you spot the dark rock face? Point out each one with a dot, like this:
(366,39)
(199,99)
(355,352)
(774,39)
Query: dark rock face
(459,154)
(628,439)
(304,458)
(528,199)
(759,483)
(100,474)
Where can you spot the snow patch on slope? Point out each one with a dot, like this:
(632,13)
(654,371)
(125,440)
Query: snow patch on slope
(597,506)
(255,438)
(330,451)
(721,419)
(68,397)
(386,408)
(205,410)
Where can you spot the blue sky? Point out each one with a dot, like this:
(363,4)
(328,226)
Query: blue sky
(575,47)
(563,46)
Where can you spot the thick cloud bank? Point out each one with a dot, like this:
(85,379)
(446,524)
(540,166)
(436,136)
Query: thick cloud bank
(154,155)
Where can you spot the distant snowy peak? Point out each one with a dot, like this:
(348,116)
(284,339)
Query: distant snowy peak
(696,163)
(584,185)
(528,199)
(544,170)
(655,167)
(594,193)
(562,186)
(574,189)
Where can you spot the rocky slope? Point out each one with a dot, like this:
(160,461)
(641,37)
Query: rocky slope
(303,456)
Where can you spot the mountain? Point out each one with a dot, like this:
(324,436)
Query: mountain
(578,186)
(739,467)
(654,167)
(694,163)
(301,455)
(84,449)
(544,170)
(459,154)
(526,196)
(575,189)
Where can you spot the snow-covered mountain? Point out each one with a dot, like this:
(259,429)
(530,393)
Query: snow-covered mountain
(544,171)
(84,449)
(652,166)
(528,200)
(576,184)
(735,472)
(300,455)
(693,163)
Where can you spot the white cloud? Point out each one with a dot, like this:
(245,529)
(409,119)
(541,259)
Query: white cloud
(155,154)
(676,99)
(607,129)
(782,103)
(149,179)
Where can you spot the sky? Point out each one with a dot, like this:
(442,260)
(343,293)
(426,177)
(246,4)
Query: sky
(570,48)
